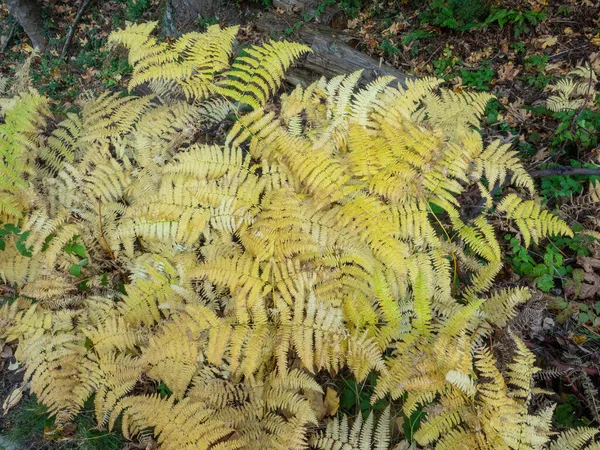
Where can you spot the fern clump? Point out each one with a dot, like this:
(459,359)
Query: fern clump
(229,248)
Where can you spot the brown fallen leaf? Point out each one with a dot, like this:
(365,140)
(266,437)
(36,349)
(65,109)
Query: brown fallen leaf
(316,402)
(507,72)
(331,402)
(595,62)
(542,154)
(590,285)
(547,41)
(7,352)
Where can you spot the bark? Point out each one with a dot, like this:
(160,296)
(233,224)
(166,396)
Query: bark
(333,53)
(28,14)
(179,15)
(563,171)
(332,15)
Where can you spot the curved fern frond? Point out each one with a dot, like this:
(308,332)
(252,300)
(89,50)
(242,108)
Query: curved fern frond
(360,437)
(533,222)
(256,75)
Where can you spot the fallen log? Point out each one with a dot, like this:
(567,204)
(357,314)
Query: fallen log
(332,15)
(334,52)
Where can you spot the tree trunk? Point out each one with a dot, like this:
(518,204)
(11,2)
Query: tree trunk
(180,15)
(28,14)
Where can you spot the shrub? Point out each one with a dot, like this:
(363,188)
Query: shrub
(228,248)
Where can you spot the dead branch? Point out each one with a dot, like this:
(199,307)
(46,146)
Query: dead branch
(71,33)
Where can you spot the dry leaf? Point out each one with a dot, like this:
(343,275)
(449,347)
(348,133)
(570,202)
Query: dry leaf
(547,41)
(404,445)
(541,155)
(594,190)
(12,400)
(590,286)
(595,62)
(596,40)
(316,402)
(331,402)
(6,352)
(507,72)
(393,30)
(56,73)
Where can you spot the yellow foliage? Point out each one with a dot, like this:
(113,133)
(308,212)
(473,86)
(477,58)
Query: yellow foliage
(318,234)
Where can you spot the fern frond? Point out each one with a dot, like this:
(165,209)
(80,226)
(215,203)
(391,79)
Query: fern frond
(533,222)
(254,77)
(575,439)
(360,437)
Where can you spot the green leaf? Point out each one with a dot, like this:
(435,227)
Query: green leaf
(83,262)
(79,250)
(2,244)
(545,282)
(23,249)
(75,270)
(584,318)
(12,228)
(558,259)
(578,275)
(526,268)
(539,270)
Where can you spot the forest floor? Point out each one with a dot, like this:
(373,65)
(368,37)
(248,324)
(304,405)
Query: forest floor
(516,49)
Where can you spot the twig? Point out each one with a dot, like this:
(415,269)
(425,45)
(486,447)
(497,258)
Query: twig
(80,12)
(564,171)
(9,37)
(575,389)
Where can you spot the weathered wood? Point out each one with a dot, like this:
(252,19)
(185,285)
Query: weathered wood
(182,16)
(179,15)
(331,15)
(333,52)
(29,15)
(294,6)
